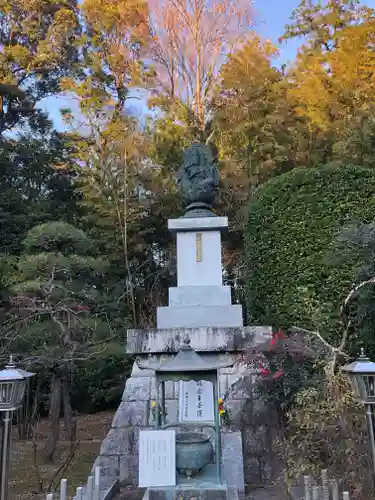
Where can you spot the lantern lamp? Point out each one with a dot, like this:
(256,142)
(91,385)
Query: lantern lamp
(13,383)
(362,376)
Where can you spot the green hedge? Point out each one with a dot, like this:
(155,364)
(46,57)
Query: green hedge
(292,225)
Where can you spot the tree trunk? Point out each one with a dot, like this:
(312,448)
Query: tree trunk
(54,417)
(125,241)
(69,423)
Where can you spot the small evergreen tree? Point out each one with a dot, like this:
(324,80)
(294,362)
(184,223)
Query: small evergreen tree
(55,323)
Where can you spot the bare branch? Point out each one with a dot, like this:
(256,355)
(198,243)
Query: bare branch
(60,471)
(191,42)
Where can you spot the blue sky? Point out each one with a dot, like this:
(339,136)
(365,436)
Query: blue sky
(272,16)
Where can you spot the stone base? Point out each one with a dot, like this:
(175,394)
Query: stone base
(204,489)
(232,460)
(219,493)
(198,224)
(250,427)
(203,340)
(188,296)
(196,317)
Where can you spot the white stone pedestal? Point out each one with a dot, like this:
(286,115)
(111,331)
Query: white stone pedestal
(200,299)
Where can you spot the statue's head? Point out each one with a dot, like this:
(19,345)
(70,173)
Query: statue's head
(197,155)
(199,180)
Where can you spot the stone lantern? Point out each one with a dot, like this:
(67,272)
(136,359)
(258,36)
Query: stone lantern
(362,376)
(13,382)
(194,452)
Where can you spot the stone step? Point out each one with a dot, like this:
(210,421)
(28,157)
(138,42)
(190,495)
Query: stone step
(200,316)
(219,493)
(188,296)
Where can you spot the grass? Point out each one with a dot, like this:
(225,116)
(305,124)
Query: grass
(24,482)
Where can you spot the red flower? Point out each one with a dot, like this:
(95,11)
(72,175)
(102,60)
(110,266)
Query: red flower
(264,372)
(278,335)
(278,374)
(80,307)
(281,335)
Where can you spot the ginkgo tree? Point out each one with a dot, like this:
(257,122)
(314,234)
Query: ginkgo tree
(332,77)
(320,24)
(115,180)
(253,123)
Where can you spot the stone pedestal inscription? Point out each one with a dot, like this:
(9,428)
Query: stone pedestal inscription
(199,247)
(157,458)
(196,402)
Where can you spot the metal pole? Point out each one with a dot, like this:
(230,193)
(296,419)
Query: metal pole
(5,452)
(371,429)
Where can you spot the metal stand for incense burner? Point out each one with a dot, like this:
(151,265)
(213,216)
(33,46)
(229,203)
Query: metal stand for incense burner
(194,451)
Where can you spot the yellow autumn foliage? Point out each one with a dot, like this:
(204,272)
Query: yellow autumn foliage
(330,86)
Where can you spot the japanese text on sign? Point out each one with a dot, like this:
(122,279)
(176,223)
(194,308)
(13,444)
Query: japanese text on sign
(196,402)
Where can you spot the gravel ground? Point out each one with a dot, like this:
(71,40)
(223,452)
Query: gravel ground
(266,494)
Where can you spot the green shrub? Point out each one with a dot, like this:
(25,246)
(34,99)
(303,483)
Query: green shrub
(57,236)
(359,241)
(96,384)
(326,429)
(292,227)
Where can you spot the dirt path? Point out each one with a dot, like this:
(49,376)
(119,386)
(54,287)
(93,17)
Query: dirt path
(272,493)
(25,476)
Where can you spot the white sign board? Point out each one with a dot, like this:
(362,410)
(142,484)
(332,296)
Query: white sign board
(196,402)
(157,458)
